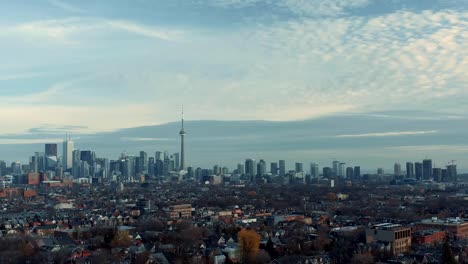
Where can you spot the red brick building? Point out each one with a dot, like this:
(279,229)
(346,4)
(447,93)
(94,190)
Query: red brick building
(429,236)
(456,227)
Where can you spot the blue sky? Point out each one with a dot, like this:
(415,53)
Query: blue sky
(105,65)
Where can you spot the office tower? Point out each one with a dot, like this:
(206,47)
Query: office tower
(427,169)
(143,162)
(67,159)
(274,168)
(409,170)
(357,172)
(198,174)
(216,170)
(327,172)
(397,169)
(314,170)
(88,156)
(51,162)
(282,167)
(418,170)
(380,171)
(250,167)
(114,167)
(3,168)
(341,169)
(437,174)
(299,167)
(176,159)
(182,153)
(190,172)
(158,155)
(261,168)
(452,173)
(40,161)
(349,173)
(151,162)
(158,167)
(16,167)
(51,149)
(240,169)
(129,167)
(336,164)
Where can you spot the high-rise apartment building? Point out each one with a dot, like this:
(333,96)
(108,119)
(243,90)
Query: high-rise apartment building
(427,169)
(282,167)
(409,170)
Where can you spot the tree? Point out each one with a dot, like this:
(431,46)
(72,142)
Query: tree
(447,254)
(121,240)
(249,243)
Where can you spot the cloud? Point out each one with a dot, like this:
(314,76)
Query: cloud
(321,8)
(388,134)
(71,30)
(25,141)
(54,129)
(432,148)
(145,139)
(150,32)
(91,119)
(66,6)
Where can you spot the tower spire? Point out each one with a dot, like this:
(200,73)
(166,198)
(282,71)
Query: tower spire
(182,135)
(182,117)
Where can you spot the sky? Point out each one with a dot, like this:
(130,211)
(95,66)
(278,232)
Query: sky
(89,66)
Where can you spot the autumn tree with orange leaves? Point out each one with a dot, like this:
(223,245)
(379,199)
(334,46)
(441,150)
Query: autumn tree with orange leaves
(249,244)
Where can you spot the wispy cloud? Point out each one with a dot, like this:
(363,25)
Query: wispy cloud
(17,141)
(66,6)
(431,148)
(147,31)
(145,139)
(72,30)
(388,134)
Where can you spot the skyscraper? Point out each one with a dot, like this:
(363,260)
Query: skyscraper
(274,168)
(452,173)
(250,167)
(67,161)
(261,168)
(349,173)
(427,169)
(336,164)
(282,167)
(418,169)
(51,149)
(143,162)
(397,169)
(341,169)
(357,172)
(299,167)
(314,170)
(182,152)
(409,170)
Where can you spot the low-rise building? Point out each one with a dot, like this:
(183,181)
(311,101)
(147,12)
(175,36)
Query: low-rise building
(398,236)
(180,211)
(456,227)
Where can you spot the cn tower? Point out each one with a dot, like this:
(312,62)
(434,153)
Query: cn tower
(182,135)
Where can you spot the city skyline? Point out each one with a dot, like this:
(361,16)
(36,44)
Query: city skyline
(225,143)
